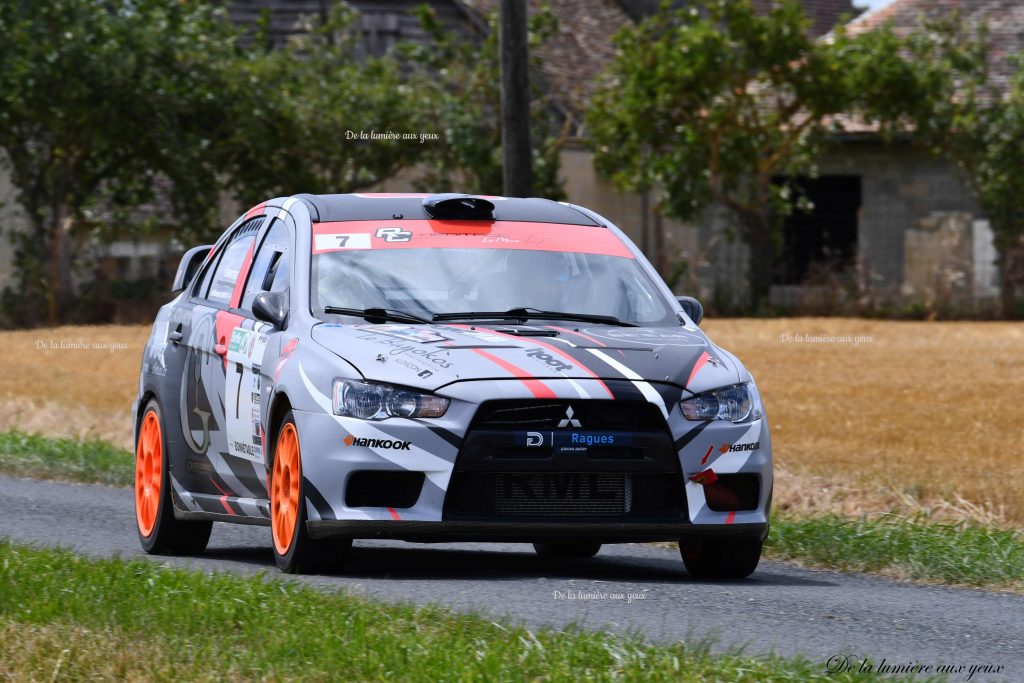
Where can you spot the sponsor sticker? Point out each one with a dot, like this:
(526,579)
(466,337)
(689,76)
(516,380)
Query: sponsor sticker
(337,241)
(550,360)
(572,441)
(407,332)
(243,395)
(387,444)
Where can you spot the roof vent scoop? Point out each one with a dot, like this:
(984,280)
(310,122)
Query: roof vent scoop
(461,206)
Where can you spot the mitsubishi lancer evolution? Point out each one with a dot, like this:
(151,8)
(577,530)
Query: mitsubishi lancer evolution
(443,368)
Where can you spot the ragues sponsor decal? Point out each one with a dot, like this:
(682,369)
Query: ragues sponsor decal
(389,444)
(571,441)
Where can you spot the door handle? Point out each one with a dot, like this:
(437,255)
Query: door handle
(175,335)
(221,349)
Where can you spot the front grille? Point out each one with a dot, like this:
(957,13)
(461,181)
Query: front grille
(575,494)
(634,416)
(526,459)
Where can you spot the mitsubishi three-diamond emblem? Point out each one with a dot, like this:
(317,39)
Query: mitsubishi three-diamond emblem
(569,420)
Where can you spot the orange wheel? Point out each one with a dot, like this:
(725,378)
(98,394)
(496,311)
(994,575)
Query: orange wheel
(148,473)
(284,489)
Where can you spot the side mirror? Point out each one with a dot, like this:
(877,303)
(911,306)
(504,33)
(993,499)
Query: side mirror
(692,308)
(191,261)
(271,307)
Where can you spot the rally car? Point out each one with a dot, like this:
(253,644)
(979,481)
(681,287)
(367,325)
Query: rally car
(437,368)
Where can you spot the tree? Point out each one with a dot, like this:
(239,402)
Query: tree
(98,101)
(958,110)
(713,102)
(334,120)
(458,98)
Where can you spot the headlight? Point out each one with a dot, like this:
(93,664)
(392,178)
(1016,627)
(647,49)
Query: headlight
(381,401)
(738,403)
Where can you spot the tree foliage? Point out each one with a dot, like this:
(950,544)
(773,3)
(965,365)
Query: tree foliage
(712,102)
(958,109)
(108,107)
(315,95)
(97,101)
(459,98)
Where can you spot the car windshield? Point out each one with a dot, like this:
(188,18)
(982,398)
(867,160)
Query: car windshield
(426,282)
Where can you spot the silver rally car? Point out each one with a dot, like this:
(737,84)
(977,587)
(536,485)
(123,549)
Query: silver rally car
(438,368)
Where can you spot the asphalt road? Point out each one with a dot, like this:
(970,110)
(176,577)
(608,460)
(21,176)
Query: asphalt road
(781,607)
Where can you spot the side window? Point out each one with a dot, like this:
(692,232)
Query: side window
(229,268)
(225,251)
(203,282)
(269,271)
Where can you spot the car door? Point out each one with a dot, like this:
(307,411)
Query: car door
(213,476)
(247,377)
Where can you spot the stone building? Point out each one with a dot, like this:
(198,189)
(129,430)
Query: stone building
(891,222)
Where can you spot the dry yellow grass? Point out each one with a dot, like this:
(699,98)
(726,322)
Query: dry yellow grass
(69,652)
(50,384)
(921,415)
(918,416)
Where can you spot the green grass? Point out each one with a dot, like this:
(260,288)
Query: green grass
(93,462)
(915,549)
(95,619)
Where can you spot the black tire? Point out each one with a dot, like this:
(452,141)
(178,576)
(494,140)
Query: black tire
(567,550)
(304,555)
(720,558)
(169,536)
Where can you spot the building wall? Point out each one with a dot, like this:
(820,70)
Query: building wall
(12,219)
(585,187)
(921,235)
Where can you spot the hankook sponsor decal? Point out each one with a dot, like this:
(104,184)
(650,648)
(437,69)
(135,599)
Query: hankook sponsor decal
(391,444)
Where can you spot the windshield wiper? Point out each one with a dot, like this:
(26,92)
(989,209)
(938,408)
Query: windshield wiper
(525,314)
(377,315)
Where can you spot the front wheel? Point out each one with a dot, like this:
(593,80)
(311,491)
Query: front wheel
(295,550)
(159,532)
(720,557)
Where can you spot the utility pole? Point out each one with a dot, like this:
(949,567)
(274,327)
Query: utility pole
(517,160)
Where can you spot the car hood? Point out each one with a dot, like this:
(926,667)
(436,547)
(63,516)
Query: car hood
(432,356)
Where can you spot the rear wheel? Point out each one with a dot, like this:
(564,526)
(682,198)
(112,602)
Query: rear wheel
(295,551)
(567,550)
(720,558)
(159,532)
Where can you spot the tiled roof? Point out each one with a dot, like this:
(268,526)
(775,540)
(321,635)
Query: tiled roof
(824,14)
(1004,20)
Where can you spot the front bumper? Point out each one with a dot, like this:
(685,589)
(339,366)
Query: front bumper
(528,532)
(434,448)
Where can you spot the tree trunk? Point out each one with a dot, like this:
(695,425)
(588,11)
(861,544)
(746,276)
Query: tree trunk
(1011,264)
(658,239)
(515,99)
(645,219)
(759,242)
(59,281)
